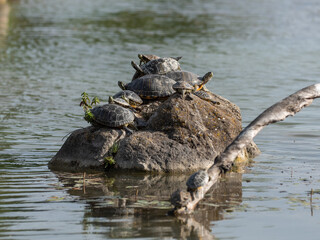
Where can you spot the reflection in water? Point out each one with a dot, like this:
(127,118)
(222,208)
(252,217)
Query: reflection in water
(4,20)
(127,205)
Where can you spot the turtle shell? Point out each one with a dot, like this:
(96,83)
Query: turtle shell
(203,95)
(158,66)
(197,180)
(161,66)
(112,115)
(144,58)
(186,76)
(152,86)
(132,96)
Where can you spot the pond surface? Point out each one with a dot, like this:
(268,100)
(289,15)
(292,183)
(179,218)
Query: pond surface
(260,51)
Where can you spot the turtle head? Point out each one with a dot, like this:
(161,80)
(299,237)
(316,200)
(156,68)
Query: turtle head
(111,100)
(207,77)
(121,85)
(142,59)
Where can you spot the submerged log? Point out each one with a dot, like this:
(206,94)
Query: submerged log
(185,202)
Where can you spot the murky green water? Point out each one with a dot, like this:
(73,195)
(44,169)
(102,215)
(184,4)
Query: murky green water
(51,51)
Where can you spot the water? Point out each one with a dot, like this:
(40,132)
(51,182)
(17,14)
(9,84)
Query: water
(52,51)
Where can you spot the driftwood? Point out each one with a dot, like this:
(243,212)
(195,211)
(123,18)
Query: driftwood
(186,202)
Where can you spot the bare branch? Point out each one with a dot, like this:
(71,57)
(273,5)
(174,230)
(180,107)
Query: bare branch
(277,112)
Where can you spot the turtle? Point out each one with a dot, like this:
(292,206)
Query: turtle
(132,97)
(190,77)
(183,87)
(180,198)
(112,115)
(152,86)
(197,180)
(144,58)
(122,101)
(205,96)
(156,66)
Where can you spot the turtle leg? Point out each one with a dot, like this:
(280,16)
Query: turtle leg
(141,123)
(190,96)
(137,67)
(214,102)
(128,130)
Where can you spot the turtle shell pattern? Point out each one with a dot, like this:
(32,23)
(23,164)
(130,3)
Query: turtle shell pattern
(186,76)
(160,66)
(112,115)
(197,180)
(203,95)
(152,86)
(132,96)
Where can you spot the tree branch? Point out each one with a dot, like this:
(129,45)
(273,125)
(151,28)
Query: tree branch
(185,203)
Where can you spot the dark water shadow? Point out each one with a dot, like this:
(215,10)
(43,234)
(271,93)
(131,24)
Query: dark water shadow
(136,205)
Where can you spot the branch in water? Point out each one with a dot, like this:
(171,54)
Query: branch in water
(277,112)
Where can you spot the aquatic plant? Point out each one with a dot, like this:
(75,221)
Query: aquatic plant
(87,104)
(109,161)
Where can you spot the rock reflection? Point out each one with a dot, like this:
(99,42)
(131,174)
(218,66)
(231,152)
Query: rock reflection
(136,205)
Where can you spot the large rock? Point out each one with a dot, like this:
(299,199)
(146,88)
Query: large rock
(85,149)
(180,135)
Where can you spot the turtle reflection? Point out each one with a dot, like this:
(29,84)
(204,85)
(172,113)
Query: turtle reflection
(121,203)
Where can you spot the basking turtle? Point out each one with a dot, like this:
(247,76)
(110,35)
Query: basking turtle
(152,86)
(197,180)
(190,77)
(132,97)
(112,115)
(156,66)
(183,87)
(205,96)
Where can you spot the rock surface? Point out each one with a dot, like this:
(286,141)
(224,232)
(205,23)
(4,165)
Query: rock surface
(180,135)
(85,149)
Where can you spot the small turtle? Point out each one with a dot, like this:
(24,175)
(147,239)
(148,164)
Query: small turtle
(144,58)
(180,198)
(156,66)
(122,101)
(205,96)
(152,86)
(133,98)
(197,180)
(112,115)
(190,77)
(183,87)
